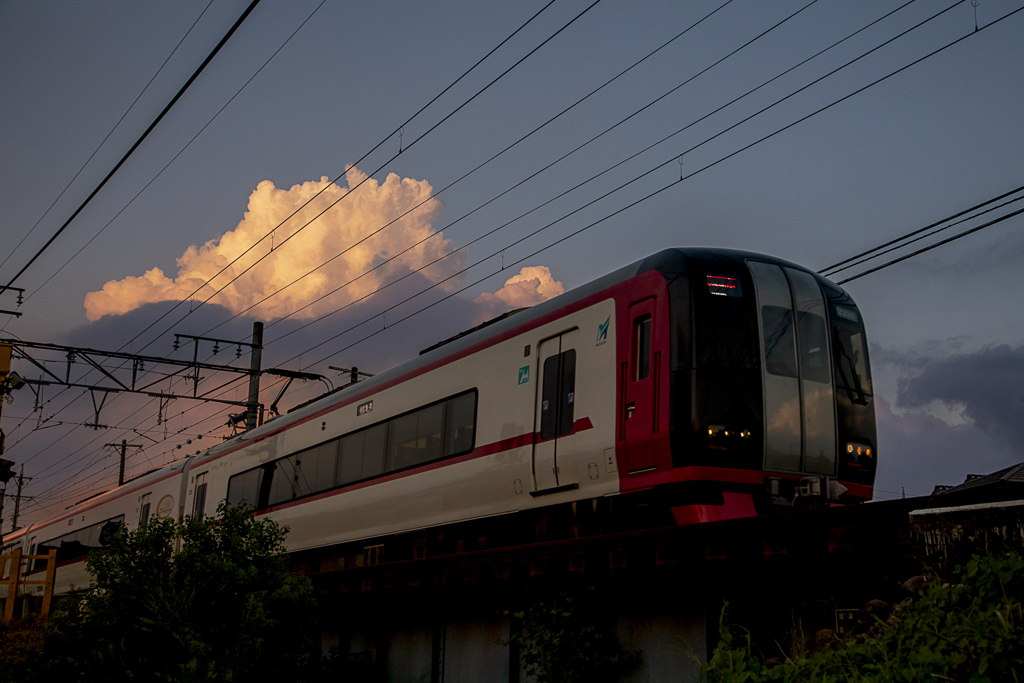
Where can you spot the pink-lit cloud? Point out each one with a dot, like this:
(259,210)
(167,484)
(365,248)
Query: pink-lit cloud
(531,286)
(371,206)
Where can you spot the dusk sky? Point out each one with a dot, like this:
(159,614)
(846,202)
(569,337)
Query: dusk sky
(248,144)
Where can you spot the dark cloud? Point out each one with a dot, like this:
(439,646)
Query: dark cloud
(987,386)
(918,451)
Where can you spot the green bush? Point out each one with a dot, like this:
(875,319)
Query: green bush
(226,606)
(970,629)
(565,639)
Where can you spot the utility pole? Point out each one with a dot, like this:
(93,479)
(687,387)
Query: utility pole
(17,499)
(251,412)
(124,446)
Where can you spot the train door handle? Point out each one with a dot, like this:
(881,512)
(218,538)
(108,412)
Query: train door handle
(630,407)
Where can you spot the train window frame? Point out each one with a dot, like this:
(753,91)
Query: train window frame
(268,468)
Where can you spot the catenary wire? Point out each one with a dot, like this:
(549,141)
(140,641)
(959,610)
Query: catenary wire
(480,166)
(565,26)
(701,170)
(924,236)
(138,142)
(649,147)
(965,233)
(384,140)
(111,132)
(351,190)
(531,176)
(835,267)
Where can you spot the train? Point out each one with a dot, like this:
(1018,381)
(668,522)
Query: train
(691,386)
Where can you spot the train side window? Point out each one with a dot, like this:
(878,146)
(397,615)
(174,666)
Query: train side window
(402,442)
(283,482)
(641,348)
(361,455)
(199,502)
(77,544)
(144,510)
(7,550)
(316,468)
(443,429)
(245,487)
(460,423)
(416,438)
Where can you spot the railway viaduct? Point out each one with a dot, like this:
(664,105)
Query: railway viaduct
(785,577)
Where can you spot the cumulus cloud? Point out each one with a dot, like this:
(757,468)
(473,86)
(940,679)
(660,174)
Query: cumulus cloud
(370,207)
(531,286)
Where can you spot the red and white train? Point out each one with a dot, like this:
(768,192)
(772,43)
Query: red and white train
(701,383)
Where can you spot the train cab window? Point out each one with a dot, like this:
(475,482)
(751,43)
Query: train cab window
(199,502)
(850,356)
(779,342)
(814,361)
(641,348)
(144,510)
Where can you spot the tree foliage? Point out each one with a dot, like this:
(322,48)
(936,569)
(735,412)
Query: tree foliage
(564,639)
(192,600)
(970,629)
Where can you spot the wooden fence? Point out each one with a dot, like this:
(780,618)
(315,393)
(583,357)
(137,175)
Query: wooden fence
(14,580)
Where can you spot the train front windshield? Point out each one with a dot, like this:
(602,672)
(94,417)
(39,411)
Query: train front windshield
(770,371)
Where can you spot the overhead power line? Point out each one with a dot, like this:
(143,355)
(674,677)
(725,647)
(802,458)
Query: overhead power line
(835,267)
(965,233)
(701,170)
(107,137)
(138,142)
(908,242)
(350,192)
(520,28)
(642,151)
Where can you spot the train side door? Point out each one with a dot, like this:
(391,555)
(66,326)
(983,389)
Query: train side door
(639,409)
(555,411)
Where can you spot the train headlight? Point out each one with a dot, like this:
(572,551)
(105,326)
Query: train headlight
(858,450)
